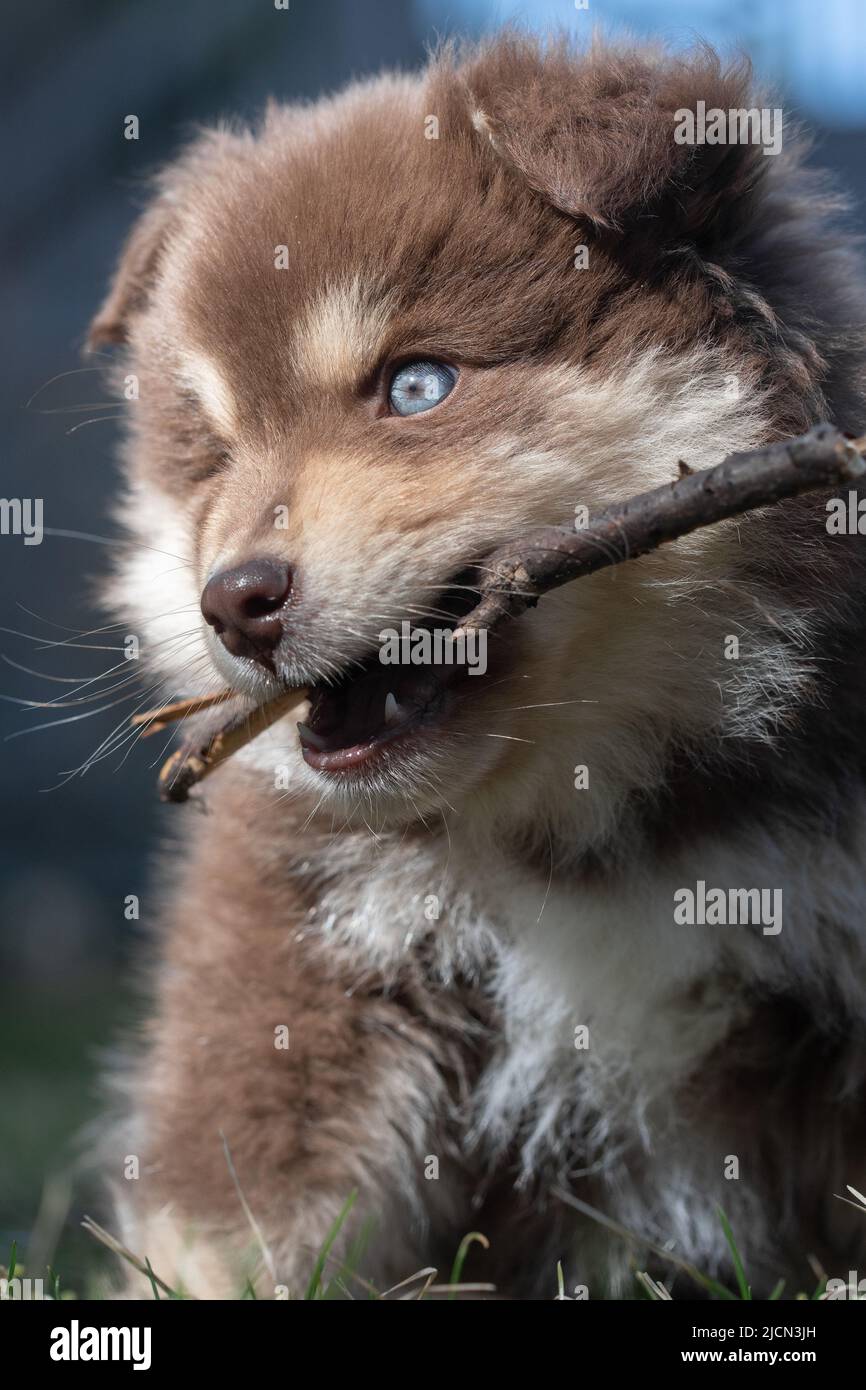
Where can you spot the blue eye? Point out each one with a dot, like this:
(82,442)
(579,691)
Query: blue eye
(419,386)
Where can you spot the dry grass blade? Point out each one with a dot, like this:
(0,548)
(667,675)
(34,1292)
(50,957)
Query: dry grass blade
(657,1292)
(428,1274)
(641,1242)
(245,1206)
(455,1290)
(118,1248)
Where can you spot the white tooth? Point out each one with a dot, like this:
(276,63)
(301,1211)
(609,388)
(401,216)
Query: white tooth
(393,711)
(310,737)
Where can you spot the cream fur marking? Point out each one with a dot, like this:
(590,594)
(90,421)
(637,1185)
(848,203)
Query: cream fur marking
(203,378)
(341,335)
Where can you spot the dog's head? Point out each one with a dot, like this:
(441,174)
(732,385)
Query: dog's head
(383,335)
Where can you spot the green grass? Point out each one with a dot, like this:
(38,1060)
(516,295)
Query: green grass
(420,1285)
(85,1258)
(334,1277)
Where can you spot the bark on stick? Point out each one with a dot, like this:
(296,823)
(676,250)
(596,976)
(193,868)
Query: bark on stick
(197,759)
(520,572)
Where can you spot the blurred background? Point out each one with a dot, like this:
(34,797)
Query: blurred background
(74,848)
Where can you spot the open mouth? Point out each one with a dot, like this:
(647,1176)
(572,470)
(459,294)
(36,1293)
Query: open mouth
(353,720)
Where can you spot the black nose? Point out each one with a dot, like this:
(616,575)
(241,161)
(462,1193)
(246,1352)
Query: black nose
(244,606)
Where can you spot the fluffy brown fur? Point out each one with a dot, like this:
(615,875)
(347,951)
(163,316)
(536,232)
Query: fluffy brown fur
(432,932)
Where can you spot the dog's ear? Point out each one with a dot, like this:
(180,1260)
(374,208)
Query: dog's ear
(594,132)
(212,153)
(133,276)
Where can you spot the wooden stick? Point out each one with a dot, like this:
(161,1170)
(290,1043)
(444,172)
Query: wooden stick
(525,569)
(194,761)
(158,719)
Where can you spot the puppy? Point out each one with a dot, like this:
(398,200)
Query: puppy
(436,948)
